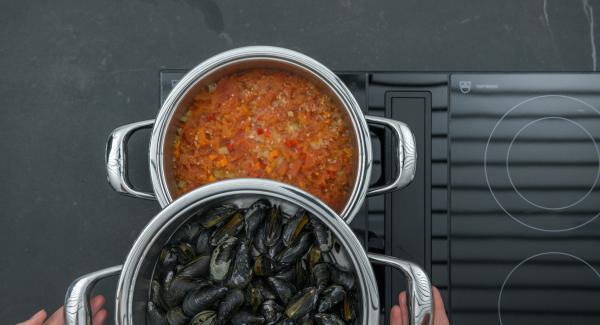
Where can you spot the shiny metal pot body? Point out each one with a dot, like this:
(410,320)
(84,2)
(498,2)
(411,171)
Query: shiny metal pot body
(136,273)
(166,123)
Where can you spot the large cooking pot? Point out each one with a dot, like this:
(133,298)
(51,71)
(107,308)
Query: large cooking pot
(137,271)
(166,123)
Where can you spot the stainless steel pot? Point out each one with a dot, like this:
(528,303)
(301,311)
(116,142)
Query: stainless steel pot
(176,104)
(136,272)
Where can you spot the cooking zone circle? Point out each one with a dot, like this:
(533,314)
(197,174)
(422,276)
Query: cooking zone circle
(542,163)
(554,284)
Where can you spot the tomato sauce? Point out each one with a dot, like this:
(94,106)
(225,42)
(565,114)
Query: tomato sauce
(267,124)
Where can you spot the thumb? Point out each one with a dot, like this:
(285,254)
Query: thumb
(37,319)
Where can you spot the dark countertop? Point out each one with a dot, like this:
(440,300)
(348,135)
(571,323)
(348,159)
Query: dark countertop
(73,71)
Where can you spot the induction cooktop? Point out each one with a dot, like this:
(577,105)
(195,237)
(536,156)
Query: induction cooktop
(503,210)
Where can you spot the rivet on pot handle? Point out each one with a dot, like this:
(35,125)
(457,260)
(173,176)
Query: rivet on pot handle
(406,162)
(77,300)
(420,302)
(116,159)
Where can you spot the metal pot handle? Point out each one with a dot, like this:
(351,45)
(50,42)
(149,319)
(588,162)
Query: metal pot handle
(116,159)
(77,300)
(407,157)
(420,304)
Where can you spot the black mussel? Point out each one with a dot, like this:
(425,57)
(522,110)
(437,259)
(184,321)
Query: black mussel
(314,256)
(200,299)
(273,226)
(306,320)
(176,316)
(293,229)
(320,275)
(169,257)
(205,317)
(301,274)
(302,303)
(186,252)
(232,301)
(180,286)
(275,249)
(288,274)
(328,319)
(322,235)
(343,278)
(196,268)
(230,229)
(241,272)
(259,241)
(167,279)
(254,297)
(347,309)
(285,290)
(156,295)
(217,215)
(330,297)
(246,317)
(286,321)
(221,259)
(203,242)
(187,233)
(155,315)
(291,254)
(255,215)
(263,265)
(271,311)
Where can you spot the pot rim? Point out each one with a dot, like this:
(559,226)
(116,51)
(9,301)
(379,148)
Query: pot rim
(219,61)
(248,186)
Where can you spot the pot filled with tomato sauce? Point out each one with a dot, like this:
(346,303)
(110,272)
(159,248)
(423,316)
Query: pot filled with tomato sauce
(262,112)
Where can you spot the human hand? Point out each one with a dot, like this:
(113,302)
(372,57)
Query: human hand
(399,314)
(58,318)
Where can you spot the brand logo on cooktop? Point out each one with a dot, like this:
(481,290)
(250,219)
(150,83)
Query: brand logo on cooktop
(465,86)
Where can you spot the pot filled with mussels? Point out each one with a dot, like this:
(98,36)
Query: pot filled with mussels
(248,251)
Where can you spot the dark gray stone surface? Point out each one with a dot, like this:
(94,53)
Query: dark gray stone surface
(74,70)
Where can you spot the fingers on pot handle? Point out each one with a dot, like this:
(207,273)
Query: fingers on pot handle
(77,301)
(420,302)
(116,159)
(406,160)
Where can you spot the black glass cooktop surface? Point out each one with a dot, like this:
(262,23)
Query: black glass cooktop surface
(525,198)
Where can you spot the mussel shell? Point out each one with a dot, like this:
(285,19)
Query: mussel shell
(275,249)
(288,274)
(271,311)
(330,297)
(255,215)
(314,256)
(301,274)
(273,226)
(323,236)
(232,301)
(186,252)
(196,268)
(169,257)
(187,233)
(230,229)
(246,317)
(203,242)
(180,286)
(259,241)
(241,273)
(285,290)
(320,275)
(263,265)
(198,300)
(291,254)
(254,297)
(217,215)
(221,259)
(328,319)
(155,315)
(302,303)
(176,316)
(347,309)
(156,295)
(205,317)
(292,230)
(306,320)
(343,278)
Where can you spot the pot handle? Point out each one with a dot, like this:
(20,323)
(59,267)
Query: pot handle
(420,304)
(407,157)
(77,300)
(116,159)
